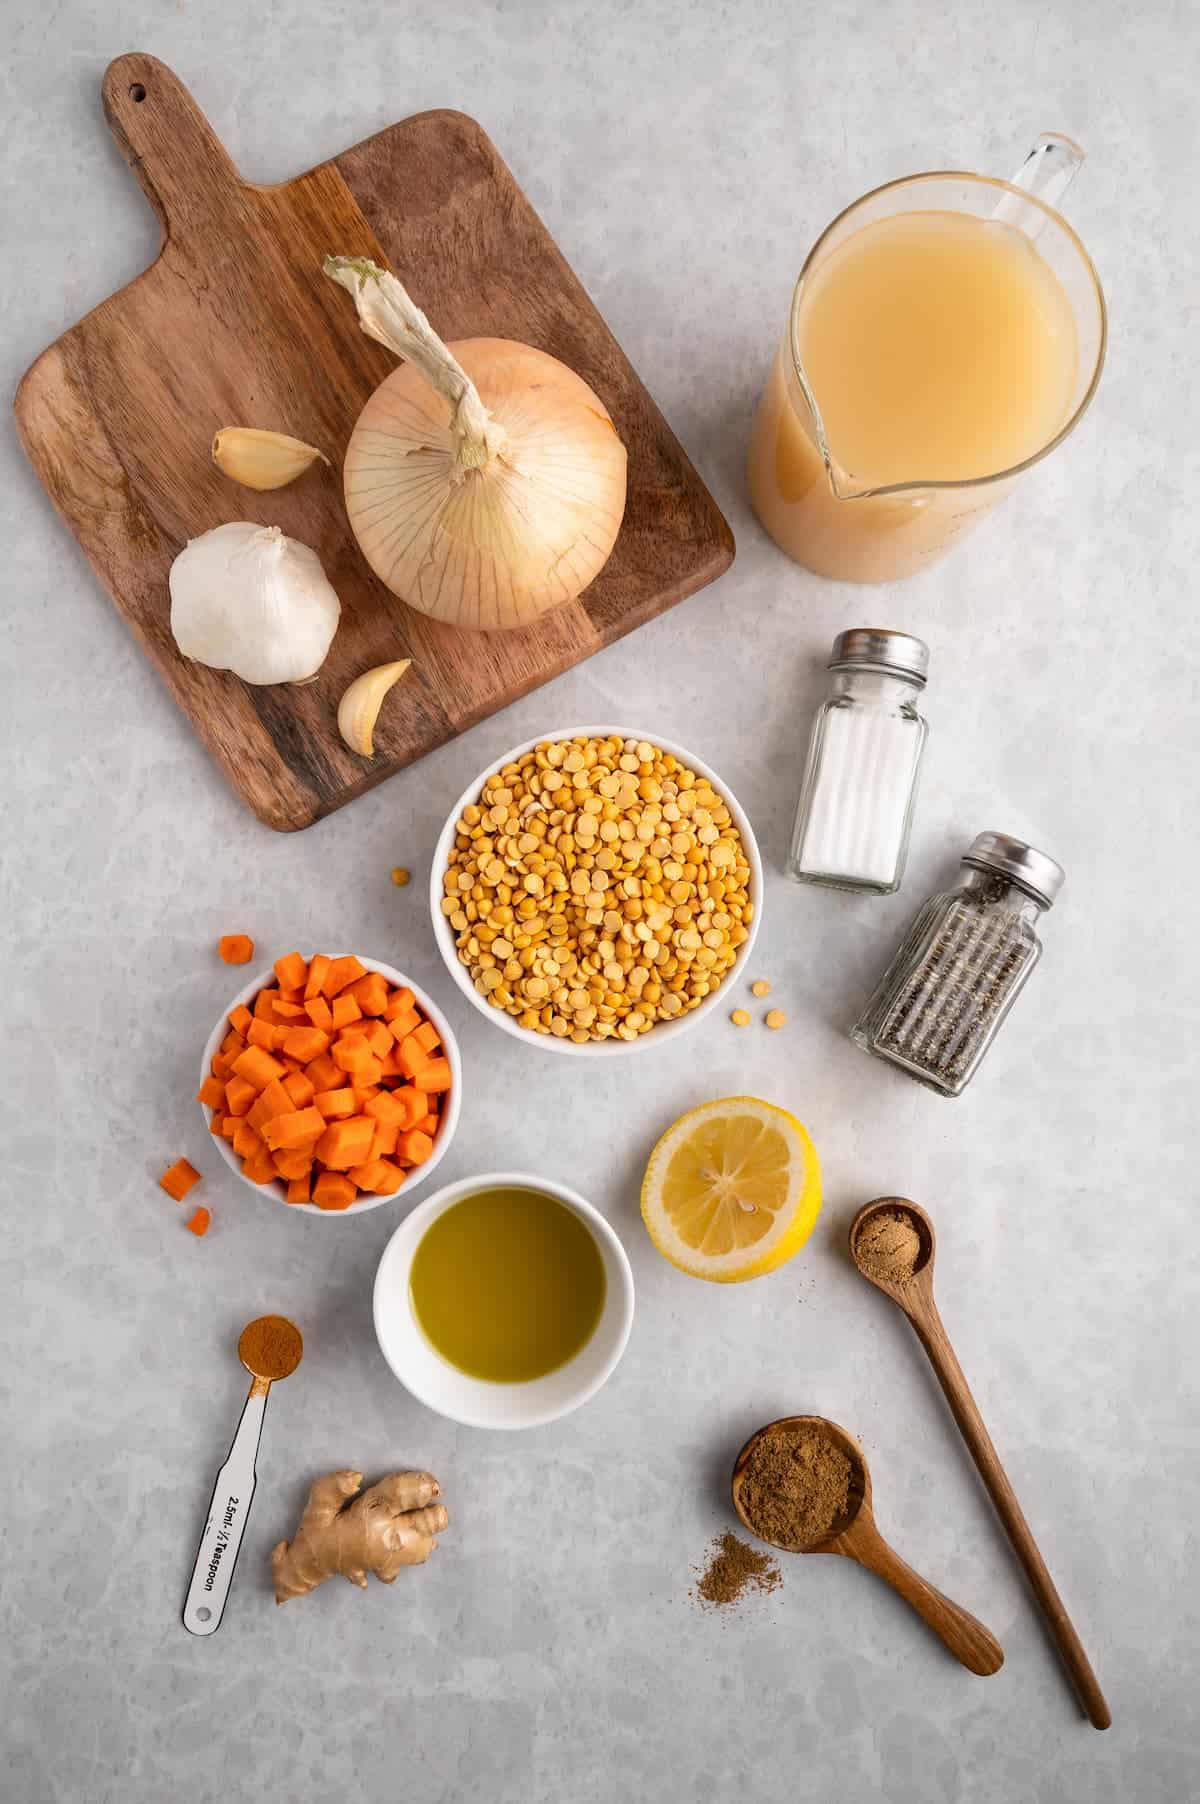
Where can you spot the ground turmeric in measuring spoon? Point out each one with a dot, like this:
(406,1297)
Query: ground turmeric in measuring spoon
(270,1348)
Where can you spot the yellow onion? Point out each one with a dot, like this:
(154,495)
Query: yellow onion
(485,481)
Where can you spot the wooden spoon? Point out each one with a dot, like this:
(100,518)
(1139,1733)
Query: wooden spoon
(856,1537)
(914,1295)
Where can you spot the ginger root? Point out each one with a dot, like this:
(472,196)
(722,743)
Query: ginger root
(390,1525)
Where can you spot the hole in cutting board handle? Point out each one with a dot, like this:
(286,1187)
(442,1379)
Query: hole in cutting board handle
(137,92)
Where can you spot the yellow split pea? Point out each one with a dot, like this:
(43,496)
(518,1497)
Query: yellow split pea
(595,887)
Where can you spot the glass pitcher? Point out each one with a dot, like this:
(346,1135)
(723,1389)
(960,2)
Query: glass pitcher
(994,419)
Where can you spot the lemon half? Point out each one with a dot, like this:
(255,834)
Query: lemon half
(732,1190)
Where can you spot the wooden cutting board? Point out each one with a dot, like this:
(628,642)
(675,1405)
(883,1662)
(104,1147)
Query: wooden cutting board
(235,325)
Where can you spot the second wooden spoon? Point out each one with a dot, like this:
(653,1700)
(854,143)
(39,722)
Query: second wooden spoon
(856,1537)
(912,1290)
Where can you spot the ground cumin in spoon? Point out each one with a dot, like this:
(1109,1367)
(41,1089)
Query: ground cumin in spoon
(888,1246)
(794,1487)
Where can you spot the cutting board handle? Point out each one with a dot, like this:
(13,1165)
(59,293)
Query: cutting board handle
(165,138)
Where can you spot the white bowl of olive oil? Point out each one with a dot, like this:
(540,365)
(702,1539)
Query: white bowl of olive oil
(504,1301)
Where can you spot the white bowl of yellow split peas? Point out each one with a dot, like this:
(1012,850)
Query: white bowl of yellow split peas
(596,891)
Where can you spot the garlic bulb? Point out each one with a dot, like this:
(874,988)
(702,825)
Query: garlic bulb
(247,599)
(485,482)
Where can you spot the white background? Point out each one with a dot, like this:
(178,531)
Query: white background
(684,158)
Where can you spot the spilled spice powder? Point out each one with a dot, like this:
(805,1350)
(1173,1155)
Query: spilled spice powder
(732,1569)
(794,1487)
(888,1246)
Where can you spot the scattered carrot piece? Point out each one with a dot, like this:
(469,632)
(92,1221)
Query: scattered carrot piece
(198,1221)
(179,1178)
(236,948)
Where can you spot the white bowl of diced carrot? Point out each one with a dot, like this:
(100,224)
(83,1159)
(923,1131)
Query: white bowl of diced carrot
(333,1082)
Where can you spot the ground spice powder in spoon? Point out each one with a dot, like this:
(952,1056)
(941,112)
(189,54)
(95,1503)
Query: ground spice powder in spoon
(888,1246)
(794,1487)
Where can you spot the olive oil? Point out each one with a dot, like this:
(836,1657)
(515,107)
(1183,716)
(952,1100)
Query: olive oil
(508,1285)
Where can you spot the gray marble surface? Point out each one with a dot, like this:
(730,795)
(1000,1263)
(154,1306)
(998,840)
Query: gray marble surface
(684,160)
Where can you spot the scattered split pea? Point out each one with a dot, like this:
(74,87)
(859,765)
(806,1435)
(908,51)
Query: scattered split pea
(775,1017)
(400,876)
(595,887)
(740,1017)
(760,988)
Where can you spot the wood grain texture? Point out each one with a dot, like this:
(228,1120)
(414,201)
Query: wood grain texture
(234,324)
(916,1299)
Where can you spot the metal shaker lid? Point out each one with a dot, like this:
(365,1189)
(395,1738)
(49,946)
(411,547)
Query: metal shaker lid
(882,649)
(1035,872)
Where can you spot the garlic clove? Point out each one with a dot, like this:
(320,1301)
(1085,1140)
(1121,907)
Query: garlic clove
(359,707)
(262,460)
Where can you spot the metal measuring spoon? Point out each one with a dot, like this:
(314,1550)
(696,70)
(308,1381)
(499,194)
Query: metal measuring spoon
(855,1536)
(270,1348)
(914,1295)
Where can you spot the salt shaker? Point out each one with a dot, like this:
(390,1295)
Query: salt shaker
(964,962)
(856,800)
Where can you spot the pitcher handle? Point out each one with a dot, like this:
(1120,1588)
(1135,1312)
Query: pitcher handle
(1046,173)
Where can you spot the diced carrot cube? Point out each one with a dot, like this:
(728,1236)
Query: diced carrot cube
(292,972)
(229,1125)
(346,1143)
(363,1094)
(291,1013)
(404,1022)
(262,1033)
(411,1056)
(323,1074)
(369,1075)
(299,1088)
(435,1076)
(179,1178)
(415,1106)
(257,1066)
(260,1168)
(414,1147)
(428,1036)
(299,1190)
(318,971)
(389,1178)
(344,1010)
(221,1065)
(239,1095)
(292,1161)
(384,1143)
(335,1105)
(387,1106)
(233,1043)
(198,1221)
(247,1140)
(300,1128)
(430,1126)
(240,1019)
(273,1101)
(216,1122)
(333,1191)
(351,1052)
(398,1001)
(379,1039)
(370,993)
(341,972)
(364,1175)
(211,1093)
(236,948)
(319,1013)
(305,1043)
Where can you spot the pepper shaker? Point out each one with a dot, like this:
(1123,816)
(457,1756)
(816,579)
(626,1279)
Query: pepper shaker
(864,755)
(965,960)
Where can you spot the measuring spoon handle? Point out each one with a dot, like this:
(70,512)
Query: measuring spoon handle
(964,1635)
(228,1511)
(923,1314)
